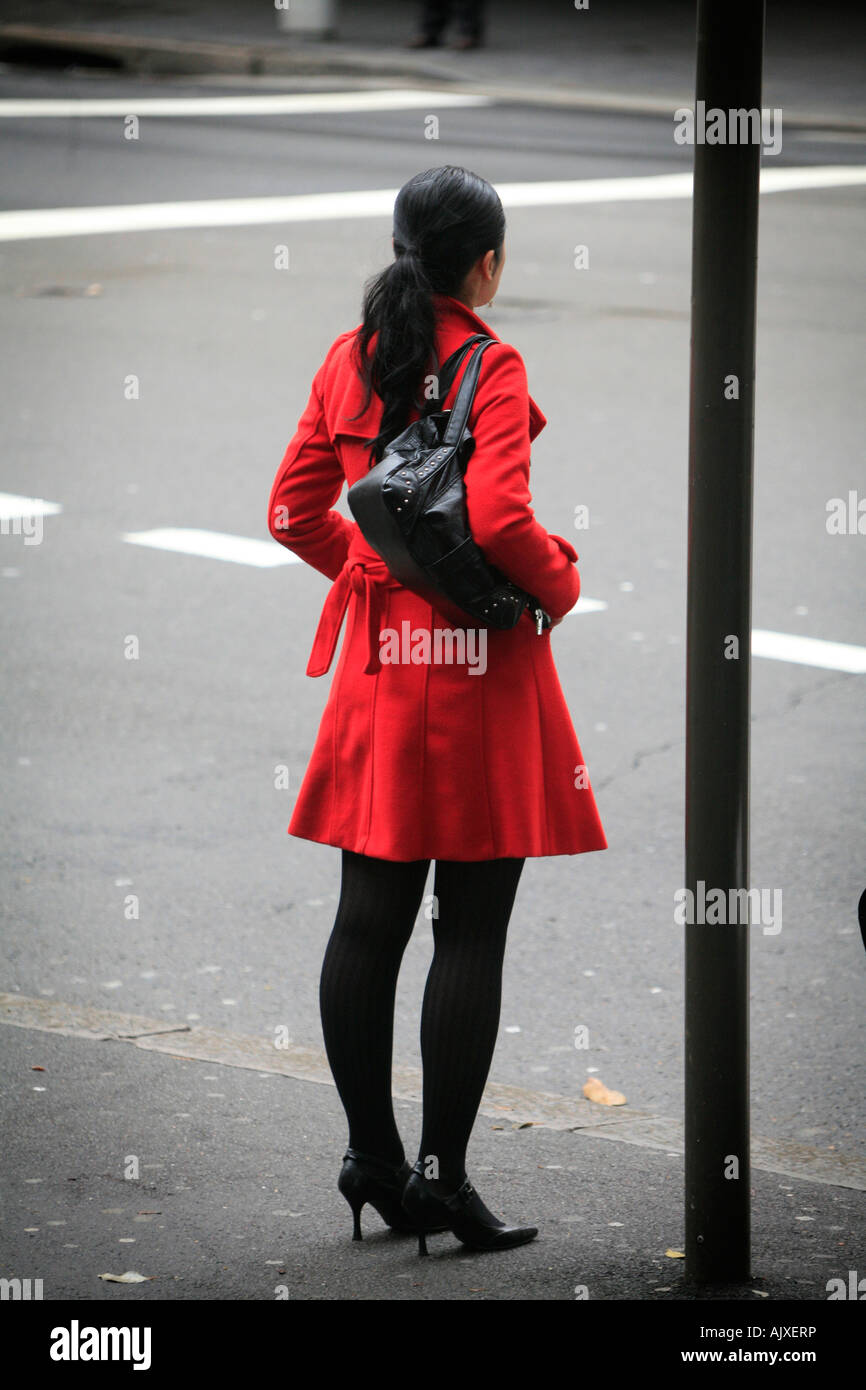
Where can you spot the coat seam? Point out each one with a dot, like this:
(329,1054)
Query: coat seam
(372,727)
(425,704)
(483,723)
(334,739)
(547,840)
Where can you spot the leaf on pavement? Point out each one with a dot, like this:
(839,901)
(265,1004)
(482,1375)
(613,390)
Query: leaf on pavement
(130,1277)
(596,1090)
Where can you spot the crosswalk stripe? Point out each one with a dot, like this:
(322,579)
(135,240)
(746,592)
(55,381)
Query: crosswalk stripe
(267,554)
(215,545)
(25,223)
(14,507)
(268,104)
(244,550)
(809,651)
(588,605)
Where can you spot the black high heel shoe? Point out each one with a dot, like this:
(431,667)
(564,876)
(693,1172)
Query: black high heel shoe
(463,1212)
(365,1178)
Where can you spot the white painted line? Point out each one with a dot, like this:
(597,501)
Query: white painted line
(274,104)
(244,550)
(12,506)
(650,187)
(224,212)
(821,176)
(215,545)
(809,651)
(323,207)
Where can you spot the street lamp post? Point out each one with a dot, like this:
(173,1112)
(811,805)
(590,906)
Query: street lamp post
(721,427)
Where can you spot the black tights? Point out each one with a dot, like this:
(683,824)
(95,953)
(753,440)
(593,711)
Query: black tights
(379,901)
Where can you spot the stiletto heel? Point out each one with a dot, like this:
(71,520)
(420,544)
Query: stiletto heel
(463,1212)
(365,1178)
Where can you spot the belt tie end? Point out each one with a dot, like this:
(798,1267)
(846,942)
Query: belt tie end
(353,579)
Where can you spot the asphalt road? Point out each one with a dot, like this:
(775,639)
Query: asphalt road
(155,777)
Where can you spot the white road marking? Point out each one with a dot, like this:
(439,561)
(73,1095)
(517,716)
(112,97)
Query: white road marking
(649,187)
(267,554)
(23,224)
(13,507)
(215,545)
(242,550)
(275,104)
(809,651)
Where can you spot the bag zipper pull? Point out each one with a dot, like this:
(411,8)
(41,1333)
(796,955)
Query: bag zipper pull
(539,621)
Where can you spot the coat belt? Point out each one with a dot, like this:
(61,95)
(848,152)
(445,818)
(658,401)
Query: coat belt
(366,579)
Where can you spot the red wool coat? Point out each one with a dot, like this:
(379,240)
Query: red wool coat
(417,757)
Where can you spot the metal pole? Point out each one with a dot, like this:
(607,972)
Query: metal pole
(721,423)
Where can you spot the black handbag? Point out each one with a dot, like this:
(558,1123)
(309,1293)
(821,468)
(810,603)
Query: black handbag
(411,508)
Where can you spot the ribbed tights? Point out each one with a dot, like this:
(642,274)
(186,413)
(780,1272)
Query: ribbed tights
(379,902)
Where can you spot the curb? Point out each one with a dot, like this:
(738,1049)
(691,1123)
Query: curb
(24,43)
(514,1106)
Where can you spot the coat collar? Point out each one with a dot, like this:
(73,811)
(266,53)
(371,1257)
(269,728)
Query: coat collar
(454,311)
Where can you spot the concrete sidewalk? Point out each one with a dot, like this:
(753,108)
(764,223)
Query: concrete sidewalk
(618,58)
(216,1179)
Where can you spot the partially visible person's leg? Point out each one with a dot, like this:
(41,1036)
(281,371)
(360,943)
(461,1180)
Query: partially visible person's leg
(460,1014)
(433,19)
(469,15)
(379,901)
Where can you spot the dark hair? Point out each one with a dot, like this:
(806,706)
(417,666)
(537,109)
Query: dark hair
(444,219)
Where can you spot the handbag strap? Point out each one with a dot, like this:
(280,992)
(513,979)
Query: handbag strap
(448,371)
(460,410)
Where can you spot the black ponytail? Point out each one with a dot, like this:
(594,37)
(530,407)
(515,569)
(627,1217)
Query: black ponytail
(444,219)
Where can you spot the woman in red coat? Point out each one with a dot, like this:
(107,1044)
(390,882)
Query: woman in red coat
(470,761)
